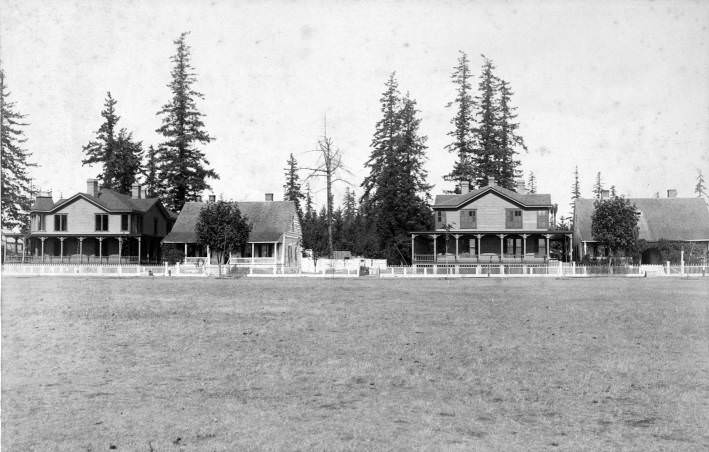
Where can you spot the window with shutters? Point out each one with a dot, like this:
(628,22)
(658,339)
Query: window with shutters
(513,218)
(440,219)
(468,219)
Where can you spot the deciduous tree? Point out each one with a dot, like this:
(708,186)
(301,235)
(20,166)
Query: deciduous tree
(223,228)
(613,224)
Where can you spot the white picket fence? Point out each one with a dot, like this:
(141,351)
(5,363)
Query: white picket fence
(554,269)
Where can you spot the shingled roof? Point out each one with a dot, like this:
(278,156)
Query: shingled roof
(269,221)
(660,218)
(108,199)
(524,200)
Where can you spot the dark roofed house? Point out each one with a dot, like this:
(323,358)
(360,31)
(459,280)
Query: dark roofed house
(98,226)
(490,224)
(275,237)
(671,219)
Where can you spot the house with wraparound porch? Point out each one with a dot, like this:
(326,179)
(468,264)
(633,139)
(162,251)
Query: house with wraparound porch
(491,224)
(98,226)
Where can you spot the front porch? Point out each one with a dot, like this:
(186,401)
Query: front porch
(490,247)
(98,249)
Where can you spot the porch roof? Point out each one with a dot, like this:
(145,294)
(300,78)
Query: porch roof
(555,233)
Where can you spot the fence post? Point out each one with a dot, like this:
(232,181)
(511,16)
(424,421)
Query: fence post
(502,269)
(667,271)
(165,274)
(561,269)
(573,268)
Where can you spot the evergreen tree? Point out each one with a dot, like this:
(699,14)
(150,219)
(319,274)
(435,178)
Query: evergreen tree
(463,124)
(395,191)
(151,182)
(532,182)
(598,186)
(700,189)
(16,182)
(115,150)
(507,141)
(575,189)
(184,168)
(486,150)
(292,189)
(128,159)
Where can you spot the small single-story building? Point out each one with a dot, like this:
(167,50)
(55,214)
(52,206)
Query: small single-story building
(275,237)
(671,219)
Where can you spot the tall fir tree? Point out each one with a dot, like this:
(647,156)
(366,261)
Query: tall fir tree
(292,189)
(532,182)
(575,189)
(486,150)
(598,186)
(508,141)
(700,189)
(129,154)
(150,173)
(114,150)
(16,181)
(395,191)
(463,124)
(184,168)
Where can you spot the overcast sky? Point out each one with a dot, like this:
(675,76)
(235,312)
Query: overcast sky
(618,87)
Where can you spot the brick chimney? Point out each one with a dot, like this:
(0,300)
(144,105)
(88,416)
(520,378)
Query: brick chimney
(269,197)
(136,191)
(491,181)
(521,187)
(672,193)
(212,198)
(92,187)
(605,194)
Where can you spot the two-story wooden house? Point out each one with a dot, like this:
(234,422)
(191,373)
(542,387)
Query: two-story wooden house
(490,224)
(99,226)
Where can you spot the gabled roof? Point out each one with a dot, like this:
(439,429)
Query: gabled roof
(269,220)
(107,199)
(660,218)
(523,200)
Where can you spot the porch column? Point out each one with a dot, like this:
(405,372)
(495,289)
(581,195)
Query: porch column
(100,249)
(253,250)
(413,237)
(478,237)
(457,236)
(43,239)
(120,245)
(185,249)
(435,250)
(24,249)
(209,255)
(585,251)
(283,251)
(61,250)
(81,249)
(502,244)
(547,248)
(140,240)
(524,245)
(571,248)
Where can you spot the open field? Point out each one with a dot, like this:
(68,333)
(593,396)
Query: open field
(201,364)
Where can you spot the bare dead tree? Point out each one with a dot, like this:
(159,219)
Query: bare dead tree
(329,165)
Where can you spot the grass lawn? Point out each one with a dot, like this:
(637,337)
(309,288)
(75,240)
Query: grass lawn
(486,364)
